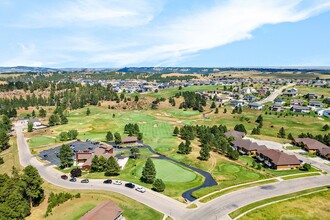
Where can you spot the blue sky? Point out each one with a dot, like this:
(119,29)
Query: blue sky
(205,33)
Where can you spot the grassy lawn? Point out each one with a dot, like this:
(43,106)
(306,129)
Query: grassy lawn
(10,157)
(177,179)
(228,174)
(216,195)
(308,207)
(41,141)
(74,209)
(300,175)
(292,148)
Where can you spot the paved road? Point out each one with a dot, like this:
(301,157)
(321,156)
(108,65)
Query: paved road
(274,94)
(216,209)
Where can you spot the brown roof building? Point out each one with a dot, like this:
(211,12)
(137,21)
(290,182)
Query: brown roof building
(309,144)
(277,159)
(248,147)
(107,210)
(325,152)
(84,158)
(129,140)
(235,134)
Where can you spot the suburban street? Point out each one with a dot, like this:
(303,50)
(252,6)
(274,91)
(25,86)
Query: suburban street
(274,94)
(216,209)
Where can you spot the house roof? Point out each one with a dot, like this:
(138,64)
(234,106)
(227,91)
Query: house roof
(279,158)
(129,139)
(235,134)
(248,145)
(310,143)
(83,155)
(325,151)
(106,210)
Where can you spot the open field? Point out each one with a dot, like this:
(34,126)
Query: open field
(307,207)
(10,157)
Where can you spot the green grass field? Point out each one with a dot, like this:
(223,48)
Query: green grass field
(177,179)
(308,207)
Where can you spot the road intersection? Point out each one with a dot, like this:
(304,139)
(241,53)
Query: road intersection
(218,208)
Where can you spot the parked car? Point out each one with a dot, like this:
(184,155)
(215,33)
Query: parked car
(73,179)
(117,182)
(107,181)
(65,177)
(85,181)
(129,185)
(140,189)
(45,155)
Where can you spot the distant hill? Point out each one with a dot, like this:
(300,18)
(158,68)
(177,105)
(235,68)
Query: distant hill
(155,70)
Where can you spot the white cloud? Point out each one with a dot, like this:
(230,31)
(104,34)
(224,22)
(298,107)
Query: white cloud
(222,24)
(91,13)
(98,39)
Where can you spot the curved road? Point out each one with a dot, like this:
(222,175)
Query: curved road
(218,208)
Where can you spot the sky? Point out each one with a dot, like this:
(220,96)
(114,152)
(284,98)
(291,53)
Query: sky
(196,33)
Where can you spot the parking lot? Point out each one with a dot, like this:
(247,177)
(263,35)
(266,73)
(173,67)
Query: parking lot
(51,155)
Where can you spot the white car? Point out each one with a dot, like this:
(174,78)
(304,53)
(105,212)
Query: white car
(140,189)
(117,182)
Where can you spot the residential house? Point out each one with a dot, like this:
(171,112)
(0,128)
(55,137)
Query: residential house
(297,102)
(277,160)
(324,152)
(245,146)
(291,92)
(309,144)
(279,101)
(235,134)
(250,98)
(310,96)
(300,109)
(237,103)
(255,106)
(107,210)
(276,107)
(129,140)
(316,104)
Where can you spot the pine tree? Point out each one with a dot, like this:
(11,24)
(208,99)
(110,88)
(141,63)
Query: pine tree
(225,111)
(33,183)
(109,136)
(326,127)
(64,119)
(135,152)
(33,114)
(159,185)
(102,164)
(112,167)
(140,136)
(176,131)
(95,164)
(204,153)
(65,156)
(213,105)
(216,111)
(4,139)
(136,98)
(240,127)
(281,133)
(259,119)
(148,172)
(181,148)
(117,138)
(88,111)
(30,126)
(290,137)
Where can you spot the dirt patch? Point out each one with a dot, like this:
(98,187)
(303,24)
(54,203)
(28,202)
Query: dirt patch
(142,122)
(155,125)
(320,119)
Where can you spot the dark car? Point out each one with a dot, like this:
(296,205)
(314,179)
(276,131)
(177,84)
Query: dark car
(65,177)
(85,181)
(45,155)
(129,185)
(73,179)
(107,181)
